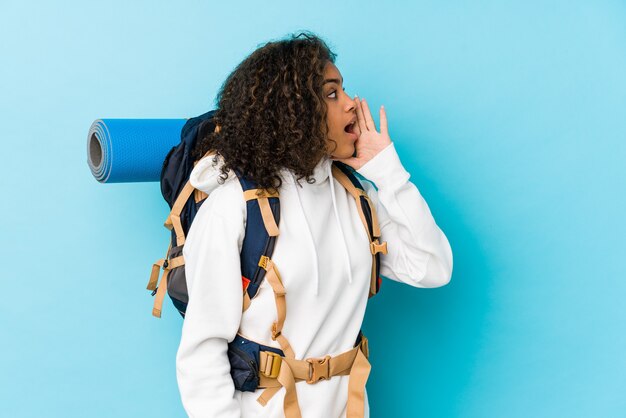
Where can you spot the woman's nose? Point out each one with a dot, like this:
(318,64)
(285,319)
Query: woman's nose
(351,103)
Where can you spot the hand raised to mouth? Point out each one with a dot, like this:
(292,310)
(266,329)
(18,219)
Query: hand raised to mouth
(370,142)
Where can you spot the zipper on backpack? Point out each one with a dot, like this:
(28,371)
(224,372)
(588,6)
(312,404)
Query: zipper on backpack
(253,366)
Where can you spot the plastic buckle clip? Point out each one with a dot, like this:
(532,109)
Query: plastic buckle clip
(272,365)
(319,369)
(377,247)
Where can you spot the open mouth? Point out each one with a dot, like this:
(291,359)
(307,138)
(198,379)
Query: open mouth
(349,128)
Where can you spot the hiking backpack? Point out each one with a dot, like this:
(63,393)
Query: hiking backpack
(263,216)
(254,365)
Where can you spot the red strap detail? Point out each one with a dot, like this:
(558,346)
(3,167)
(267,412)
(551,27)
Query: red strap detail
(245,282)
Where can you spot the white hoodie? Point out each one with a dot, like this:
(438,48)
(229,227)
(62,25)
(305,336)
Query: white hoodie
(323,257)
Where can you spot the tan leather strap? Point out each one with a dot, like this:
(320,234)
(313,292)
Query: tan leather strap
(262,196)
(199,195)
(359,373)
(259,193)
(175,262)
(167,266)
(375,246)
(290,402)
(269,391)
(273,278)
(160,295)
(171,264)
(154,275)
(374,278)
(173,220)
(162,289)
(268,217)
(182,199)
(356,194)
(353,362)
(375,225)
(156,269)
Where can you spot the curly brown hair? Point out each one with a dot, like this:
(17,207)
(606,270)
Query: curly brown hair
(271,112)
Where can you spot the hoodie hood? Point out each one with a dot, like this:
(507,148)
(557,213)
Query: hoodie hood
(205,176)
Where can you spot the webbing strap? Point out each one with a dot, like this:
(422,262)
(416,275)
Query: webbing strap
(353,363)
(160,295)
(290,402)
(273,278)
(171,264)
(357,193)
(259,193)
(359,373)
(173,220)
(156,269)
(162,288)
(375,246)
(262,196)
(175,262)
(375,225)
(154,275)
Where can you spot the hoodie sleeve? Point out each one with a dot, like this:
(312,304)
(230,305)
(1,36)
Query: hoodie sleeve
(213,313)
(419,253)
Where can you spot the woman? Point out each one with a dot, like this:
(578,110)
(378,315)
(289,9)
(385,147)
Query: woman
(284,117)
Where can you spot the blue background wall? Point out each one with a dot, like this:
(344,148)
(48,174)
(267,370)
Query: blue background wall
(509,115)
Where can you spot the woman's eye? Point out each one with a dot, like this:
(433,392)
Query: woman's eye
(334,92)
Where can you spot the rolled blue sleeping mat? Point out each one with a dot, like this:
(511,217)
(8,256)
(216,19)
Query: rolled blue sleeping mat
(130,150)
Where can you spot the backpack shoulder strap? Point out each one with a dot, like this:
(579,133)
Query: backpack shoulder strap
(173,219)
(263,216)
(367,213)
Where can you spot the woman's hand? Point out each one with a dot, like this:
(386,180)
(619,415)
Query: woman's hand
(370,142)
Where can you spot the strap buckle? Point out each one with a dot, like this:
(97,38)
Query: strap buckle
(271,368)
(376,247)
(319,369)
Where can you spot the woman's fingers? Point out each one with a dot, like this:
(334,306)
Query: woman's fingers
(368,116)
(383,121)
(359,115)
(357,128)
